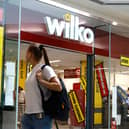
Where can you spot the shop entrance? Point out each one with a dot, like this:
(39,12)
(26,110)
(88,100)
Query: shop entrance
(71,67)
(68,37)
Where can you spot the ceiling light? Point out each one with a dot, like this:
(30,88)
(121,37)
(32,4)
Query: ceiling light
(112,2)
(59,71)
(55,61)
(114,23)
(69,8)
(12,30)
(10,50)
(32,29)
(1,14)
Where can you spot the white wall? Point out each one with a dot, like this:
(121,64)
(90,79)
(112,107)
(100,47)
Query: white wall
(118,79)
(69,83)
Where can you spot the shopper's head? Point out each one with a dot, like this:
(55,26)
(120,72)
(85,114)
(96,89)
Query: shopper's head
(20,89)
(59,75)
(34,54)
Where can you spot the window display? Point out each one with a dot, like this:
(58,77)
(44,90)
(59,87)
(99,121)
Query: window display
(68,37)
(9,88)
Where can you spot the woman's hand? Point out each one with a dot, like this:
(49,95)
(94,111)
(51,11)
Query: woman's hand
(52,84)
(39,75)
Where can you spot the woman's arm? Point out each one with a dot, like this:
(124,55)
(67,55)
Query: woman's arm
(52,84)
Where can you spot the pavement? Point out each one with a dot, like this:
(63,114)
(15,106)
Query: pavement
(69,127)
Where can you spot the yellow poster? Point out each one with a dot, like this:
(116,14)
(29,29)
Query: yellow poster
(83,75)
(1,55)
(97,103)
(124,61)
(22,73)
(97,94)
(76,107)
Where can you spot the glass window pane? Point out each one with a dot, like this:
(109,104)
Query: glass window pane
(55,27)
(9,16)
(119,75)
(102,95)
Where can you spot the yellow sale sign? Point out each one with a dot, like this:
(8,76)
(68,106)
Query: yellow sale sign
(124,61)
(1,54)
(76,107)
(83,80)
(22,73)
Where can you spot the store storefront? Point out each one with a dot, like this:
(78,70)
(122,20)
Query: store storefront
(85,51)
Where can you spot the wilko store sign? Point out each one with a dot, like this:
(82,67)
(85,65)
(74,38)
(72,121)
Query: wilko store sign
(102,80)
(69,29)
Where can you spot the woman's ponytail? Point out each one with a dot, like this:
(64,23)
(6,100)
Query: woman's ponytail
(45,56)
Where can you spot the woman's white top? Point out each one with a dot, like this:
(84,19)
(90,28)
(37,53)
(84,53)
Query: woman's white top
(33,98)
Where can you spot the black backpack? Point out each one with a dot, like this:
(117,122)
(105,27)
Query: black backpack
(58,105)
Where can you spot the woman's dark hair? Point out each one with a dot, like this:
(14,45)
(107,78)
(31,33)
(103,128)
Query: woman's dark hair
(38,52)
(44,52)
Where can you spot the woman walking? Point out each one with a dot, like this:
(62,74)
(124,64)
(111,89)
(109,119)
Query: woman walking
(34,117)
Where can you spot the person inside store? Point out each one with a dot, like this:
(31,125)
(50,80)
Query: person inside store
(21,104)
(128,101)
(34,117)
(128,91)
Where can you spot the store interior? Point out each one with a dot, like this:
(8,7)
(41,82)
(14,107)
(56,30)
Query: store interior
(61,61)
(68,58)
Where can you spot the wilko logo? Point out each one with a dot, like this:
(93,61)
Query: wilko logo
(70,30)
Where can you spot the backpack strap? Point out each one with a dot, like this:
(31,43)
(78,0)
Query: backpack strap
(56,124)
(41,92)
(42,68)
